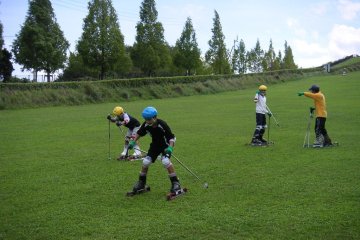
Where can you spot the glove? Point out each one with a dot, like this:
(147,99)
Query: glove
(132,144)
(169,150)
(257,92)
(300,94)
(118,123)
(269,114)
(108,117)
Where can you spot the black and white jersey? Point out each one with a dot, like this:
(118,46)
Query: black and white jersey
(130,122)
(160,132)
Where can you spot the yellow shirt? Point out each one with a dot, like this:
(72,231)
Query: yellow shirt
(319,101)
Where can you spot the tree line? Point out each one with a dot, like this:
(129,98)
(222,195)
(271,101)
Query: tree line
(101,53)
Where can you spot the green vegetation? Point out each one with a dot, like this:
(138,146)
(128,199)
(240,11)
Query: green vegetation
(41,44)
(57,183)
(76,93)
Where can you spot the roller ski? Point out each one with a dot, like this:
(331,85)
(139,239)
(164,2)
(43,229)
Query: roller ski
(139,188)
(135,157)
(328,145)
(259,143)
(175,191)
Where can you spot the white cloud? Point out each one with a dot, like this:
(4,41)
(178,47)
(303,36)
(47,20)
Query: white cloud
(319,8)
(308,54)
(344,40)
(349,9)
(295,26)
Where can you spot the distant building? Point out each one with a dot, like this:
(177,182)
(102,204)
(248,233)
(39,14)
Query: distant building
(327,67)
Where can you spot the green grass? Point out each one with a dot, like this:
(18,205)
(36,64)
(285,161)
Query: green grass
(56,181)
(351,61)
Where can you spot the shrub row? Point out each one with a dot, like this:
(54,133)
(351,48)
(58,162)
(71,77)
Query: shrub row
(21,95)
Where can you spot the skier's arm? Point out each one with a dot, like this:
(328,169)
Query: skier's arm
(312,95)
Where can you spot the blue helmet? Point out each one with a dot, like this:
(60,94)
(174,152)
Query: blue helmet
(149,112)
(314,88)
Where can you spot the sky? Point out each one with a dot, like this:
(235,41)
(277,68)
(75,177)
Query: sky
(318,31)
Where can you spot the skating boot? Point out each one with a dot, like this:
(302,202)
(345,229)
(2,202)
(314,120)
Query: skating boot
(256,142)
(263,141)
(138,188)
(175,191)
(319,142)
(327,141)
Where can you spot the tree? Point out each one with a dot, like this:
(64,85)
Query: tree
(216,56)
(289,58)
(101,44)
(187,52)
(269,58)
(278,61)
(77,70)
(1,38)
(239,60)
(41,44)
(150,51)
(255,58)
(6,67)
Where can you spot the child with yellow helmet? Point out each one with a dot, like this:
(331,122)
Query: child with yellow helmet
(261,111)
(121,118)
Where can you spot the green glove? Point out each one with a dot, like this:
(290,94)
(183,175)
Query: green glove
(300,94)
(257,92)
(269,114)
(132,144)
(169,150)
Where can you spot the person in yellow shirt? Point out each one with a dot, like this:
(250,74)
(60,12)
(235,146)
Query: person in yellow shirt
(322,137)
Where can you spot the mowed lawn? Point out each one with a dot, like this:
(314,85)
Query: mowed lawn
(56,181)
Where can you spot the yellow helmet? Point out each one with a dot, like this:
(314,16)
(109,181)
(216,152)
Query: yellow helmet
(118,111)
(263,88)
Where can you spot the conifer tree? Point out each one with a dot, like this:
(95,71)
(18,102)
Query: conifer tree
(255,58)
(150,52)
(101,45)
(239,58)
(269,58)
(288,58)
(187,52)
(217,56)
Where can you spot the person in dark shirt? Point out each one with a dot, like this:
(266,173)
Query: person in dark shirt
(163,141)
(121,118)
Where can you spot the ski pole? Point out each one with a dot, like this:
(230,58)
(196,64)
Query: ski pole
(269,131)
(206,185)
(109,158)
(276,122)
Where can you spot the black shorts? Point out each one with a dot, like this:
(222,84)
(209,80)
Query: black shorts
(155,150)
(260,119)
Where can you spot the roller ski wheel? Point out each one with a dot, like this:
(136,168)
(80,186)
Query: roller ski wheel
(135,158)
(132,193)
(122,158)
(334,144)
(259,144)
(172,195)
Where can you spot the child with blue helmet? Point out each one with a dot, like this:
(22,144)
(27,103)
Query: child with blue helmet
(163,141)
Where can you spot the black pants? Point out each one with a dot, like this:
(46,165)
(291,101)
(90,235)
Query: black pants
(321,130)
(260,126)
(320,126)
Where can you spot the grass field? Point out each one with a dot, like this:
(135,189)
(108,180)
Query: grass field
(56,181)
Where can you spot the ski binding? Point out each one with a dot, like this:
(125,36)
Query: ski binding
(144,190)
(178,193)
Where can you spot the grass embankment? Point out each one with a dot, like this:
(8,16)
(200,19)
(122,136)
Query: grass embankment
(57,183)
(31,95)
